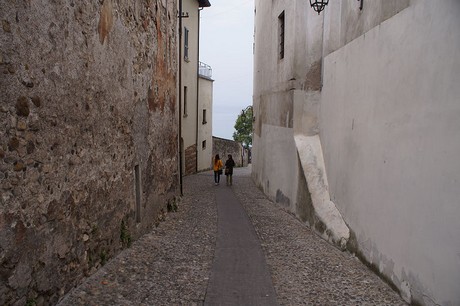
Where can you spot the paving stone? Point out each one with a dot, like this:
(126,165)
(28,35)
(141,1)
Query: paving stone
(172,264)
(307,270)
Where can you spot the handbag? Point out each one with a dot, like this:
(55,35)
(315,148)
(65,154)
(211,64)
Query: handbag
(227,171)
(219,171)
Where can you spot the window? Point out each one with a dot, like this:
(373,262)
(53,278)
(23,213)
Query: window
(204,117)
(185,43)
(185,101)
(203,144)
(281,25)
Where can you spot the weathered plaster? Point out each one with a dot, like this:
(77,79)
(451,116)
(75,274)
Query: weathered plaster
(205,98)
(387,115)
(286,103)
(88,93)
(344,22)
(388,126)
(189,79)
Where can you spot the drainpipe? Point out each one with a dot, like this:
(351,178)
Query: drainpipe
(198,88)
(180,99)
(322,53)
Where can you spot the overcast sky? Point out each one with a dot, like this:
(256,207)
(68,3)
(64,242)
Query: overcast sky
(226,40)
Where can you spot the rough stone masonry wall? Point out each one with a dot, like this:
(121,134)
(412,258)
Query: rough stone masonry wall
(88,92)
(223,147)
(190,160)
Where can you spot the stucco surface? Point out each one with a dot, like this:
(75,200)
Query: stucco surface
(190,74)
(205,126)
(276,171)
(389,128)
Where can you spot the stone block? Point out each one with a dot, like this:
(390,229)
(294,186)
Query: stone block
(22,276)
(22,106)
(19,166)
(6,26)
(13,144)
(21,125)
(37,101)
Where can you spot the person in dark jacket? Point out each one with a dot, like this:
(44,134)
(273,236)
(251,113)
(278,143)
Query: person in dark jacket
(229,164)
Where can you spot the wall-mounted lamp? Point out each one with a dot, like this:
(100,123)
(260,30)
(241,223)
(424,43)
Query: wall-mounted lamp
(318,6)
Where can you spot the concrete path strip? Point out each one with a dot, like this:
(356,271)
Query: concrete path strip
(239,274)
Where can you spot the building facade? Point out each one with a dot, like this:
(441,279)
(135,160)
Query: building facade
(191,107)
(89,146)
(205,91)
(356,120)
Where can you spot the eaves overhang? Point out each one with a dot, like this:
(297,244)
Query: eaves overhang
(204,3)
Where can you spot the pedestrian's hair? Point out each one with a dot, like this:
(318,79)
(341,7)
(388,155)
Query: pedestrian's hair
(229,155)
(216,158)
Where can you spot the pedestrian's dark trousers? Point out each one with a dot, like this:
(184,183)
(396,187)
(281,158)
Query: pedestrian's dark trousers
(229,179)
(216,177)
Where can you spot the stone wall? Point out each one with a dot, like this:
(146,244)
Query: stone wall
(223,147)
(88,130)
(190,160)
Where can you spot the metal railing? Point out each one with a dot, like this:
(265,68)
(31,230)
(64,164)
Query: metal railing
(204,70)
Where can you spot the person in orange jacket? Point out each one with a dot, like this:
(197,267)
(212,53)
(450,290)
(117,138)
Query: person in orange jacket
(217,167)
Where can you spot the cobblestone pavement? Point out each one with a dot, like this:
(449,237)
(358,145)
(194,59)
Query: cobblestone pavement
(306,270)
(171,265)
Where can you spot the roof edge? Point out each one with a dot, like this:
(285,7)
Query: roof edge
(204,3)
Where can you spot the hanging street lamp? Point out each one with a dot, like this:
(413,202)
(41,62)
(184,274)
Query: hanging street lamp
(318,6)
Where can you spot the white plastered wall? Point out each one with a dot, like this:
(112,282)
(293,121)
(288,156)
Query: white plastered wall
(390,130)
(287,151)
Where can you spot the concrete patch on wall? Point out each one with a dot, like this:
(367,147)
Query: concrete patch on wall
(328,216)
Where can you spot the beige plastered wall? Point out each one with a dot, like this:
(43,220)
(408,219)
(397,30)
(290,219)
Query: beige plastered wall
(189,74)
(205,126)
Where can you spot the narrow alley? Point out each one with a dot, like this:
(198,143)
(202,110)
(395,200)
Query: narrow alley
(180,261)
